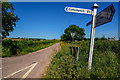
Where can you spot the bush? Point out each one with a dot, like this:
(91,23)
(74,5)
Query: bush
(14,48)
(105,61)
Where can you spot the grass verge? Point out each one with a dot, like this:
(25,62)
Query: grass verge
(106,63)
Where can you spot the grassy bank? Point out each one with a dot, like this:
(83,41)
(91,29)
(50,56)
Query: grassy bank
(16,48)
(106,63)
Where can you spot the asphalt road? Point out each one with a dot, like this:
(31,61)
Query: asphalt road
(33,65)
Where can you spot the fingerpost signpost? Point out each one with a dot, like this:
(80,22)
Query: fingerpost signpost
(101,18)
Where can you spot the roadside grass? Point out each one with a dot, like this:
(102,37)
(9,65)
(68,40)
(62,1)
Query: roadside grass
(106,63)
(0,49)
(17,48)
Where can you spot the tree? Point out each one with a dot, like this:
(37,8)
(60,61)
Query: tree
(108,38)
(79,33)
(97,38)
(9,18)
(85,39)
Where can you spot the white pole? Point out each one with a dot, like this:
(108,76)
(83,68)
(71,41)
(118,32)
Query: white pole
(77,53)
(72,41)
(94,12)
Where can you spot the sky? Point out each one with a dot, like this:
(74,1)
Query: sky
(48,20)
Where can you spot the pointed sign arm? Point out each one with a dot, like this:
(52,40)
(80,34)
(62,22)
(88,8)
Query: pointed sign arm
(89,23)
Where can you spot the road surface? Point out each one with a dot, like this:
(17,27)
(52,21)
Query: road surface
(33,65)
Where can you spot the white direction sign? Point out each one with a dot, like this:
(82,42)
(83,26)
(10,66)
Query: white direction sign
(78,10)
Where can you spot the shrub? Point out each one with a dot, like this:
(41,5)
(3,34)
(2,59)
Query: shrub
(14,48)
(105,62)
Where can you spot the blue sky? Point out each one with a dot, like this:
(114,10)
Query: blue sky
(49,20)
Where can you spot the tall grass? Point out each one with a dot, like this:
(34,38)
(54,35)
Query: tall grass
(106,63)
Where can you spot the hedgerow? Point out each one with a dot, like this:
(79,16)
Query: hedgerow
(16,48)
(105,64)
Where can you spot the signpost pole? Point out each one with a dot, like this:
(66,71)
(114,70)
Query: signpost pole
(72,35)
(72,41)
(77,53)
(95,6)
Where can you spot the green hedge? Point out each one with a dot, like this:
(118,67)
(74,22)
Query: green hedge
(106,63)
(15,48)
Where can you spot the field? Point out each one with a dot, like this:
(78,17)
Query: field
(17,47)
(106,63)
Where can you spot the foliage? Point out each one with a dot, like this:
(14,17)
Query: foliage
(9,18)
(79,33)
(106,63)
(0,48)
(97,39)
(15,48)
